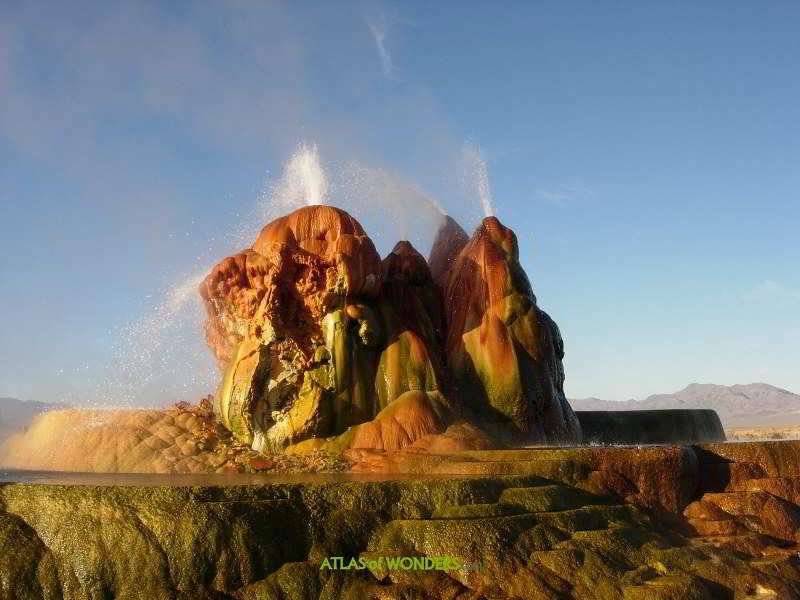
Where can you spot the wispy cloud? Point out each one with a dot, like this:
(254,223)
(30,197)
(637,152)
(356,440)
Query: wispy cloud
(380,29)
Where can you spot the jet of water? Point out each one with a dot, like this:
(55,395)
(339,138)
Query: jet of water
(161,356)
(478,175)
(304,180)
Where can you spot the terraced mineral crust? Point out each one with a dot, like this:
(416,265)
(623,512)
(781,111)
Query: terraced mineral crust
(561,530)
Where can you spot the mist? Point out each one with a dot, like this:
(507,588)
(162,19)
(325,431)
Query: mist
(240,89)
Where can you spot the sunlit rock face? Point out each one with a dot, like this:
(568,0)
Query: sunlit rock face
(305,264)
(325,346)
(311,340)
(504,353)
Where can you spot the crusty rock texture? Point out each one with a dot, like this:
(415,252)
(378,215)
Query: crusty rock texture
(319,338)
(297,321)
(180,439)
(671,523)
(504,352)
(300,268)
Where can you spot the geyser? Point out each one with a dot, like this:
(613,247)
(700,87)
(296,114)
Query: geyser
(304,180)
(387,201)
(478,176)
(325,346)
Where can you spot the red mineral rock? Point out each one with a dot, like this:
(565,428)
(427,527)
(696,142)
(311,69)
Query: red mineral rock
(312,340)
(303,263)
(450,240)
(317,335)
(503,351)
(410,289)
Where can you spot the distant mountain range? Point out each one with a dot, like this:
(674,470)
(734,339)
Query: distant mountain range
(752,405)
(18,414)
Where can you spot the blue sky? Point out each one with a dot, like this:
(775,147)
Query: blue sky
(646,154)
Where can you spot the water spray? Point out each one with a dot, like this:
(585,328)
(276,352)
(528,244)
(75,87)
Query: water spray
(304,178)
(478,174)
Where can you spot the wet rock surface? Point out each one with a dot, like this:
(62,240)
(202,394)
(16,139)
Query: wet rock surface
(189,439)
(323,344)
(180,439)
(504,352)
(669,426)
(583,524)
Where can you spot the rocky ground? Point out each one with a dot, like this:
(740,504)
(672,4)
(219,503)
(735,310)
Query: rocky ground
(187,438)
(184,438)
(763,433)
(714,521)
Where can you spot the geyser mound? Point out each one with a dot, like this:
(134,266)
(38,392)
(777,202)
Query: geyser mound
(449,242)
(325,346)
(504,352)
(307,261)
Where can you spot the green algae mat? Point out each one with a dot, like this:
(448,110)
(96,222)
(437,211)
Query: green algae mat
(582,523)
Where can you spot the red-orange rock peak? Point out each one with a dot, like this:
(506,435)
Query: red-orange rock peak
(450,240)
(405,264)
(332,235)
(500,235)
(503,351)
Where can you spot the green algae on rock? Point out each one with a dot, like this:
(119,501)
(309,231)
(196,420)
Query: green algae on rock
(513,536)
(503,351)
(318,336)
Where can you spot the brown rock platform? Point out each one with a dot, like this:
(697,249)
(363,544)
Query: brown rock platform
(181,439)
(716,520)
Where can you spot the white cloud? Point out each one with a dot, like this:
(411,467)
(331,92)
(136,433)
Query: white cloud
(131,61)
